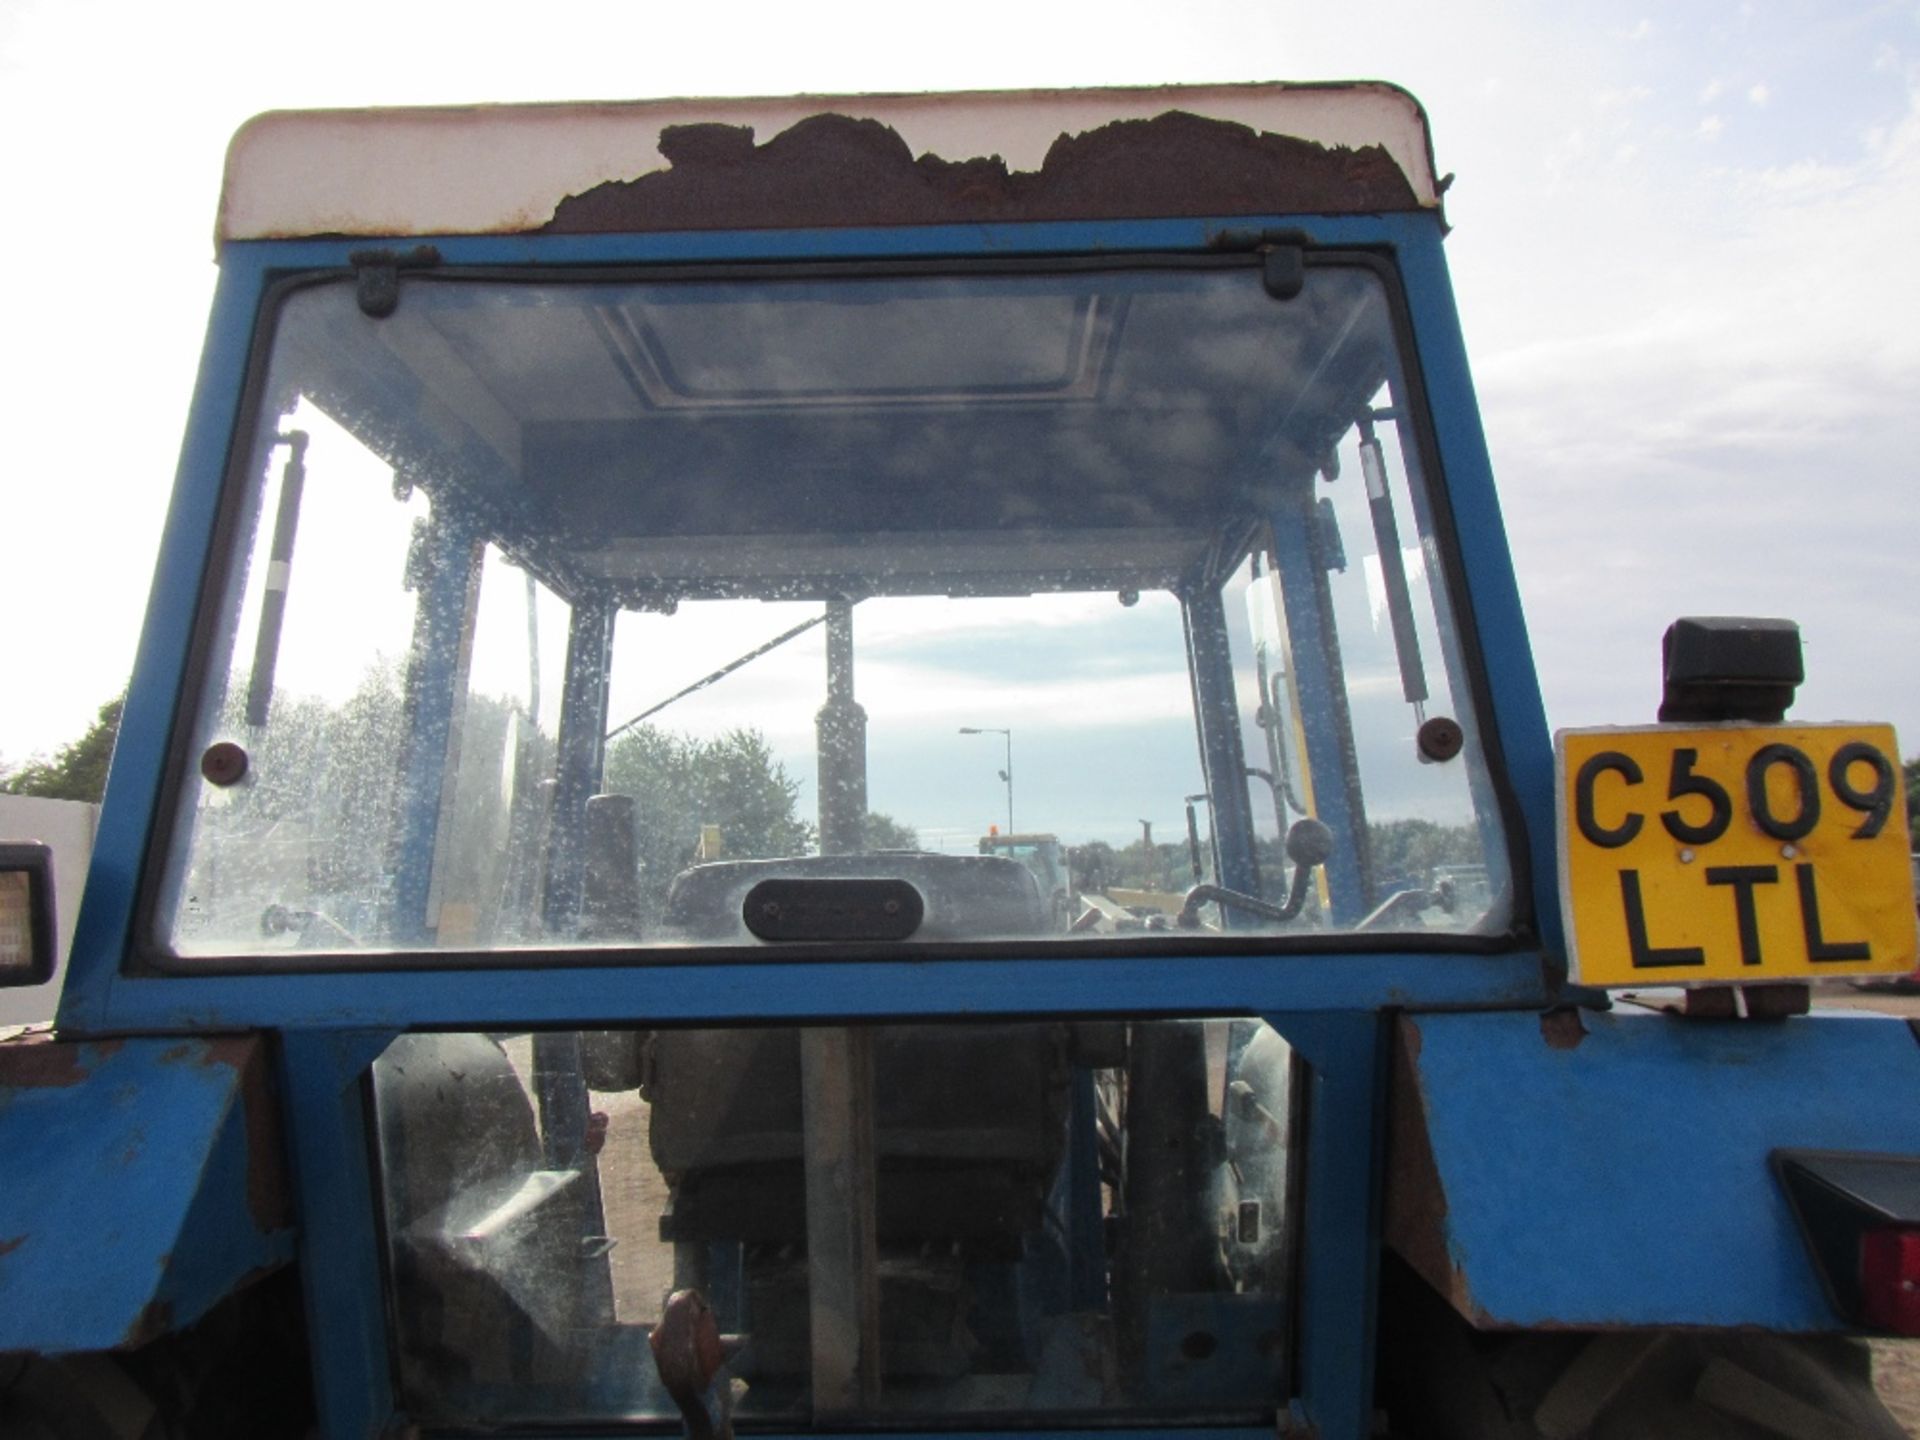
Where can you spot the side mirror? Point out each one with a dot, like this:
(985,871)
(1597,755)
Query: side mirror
(26,913)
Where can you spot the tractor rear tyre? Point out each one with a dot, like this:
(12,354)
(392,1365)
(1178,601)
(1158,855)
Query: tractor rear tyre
(1440,1379)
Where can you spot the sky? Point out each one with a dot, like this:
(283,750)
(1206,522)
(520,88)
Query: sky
(1679,251)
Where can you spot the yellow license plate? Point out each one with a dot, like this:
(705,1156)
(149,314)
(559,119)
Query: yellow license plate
(1733,852)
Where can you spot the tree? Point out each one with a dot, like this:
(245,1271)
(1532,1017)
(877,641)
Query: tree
(1098,866)
(1406,851)
(77,771)
(1094,865)
(883,832)
(683,783)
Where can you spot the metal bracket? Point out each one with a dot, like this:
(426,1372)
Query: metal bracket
(1717,668)
(1747,1002)
(377,276)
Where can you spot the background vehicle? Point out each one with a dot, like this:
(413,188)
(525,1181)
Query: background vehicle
(434,1054)
(1045,858)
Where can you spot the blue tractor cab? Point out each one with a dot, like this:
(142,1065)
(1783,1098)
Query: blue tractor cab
(538,973)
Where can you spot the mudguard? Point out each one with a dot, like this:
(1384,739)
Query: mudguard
(1606,1170)
(144,1184)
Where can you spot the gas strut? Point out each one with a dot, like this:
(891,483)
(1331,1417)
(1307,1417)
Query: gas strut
(1393,568)
(273,601)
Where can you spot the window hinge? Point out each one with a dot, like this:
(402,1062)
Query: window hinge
(1283,257)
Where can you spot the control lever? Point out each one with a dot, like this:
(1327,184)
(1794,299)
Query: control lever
(1309,843)
(691,1356)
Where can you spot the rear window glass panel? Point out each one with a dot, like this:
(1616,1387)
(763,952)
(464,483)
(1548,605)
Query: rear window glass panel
(1067,597)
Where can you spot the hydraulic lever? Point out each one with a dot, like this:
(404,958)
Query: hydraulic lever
(1309,843)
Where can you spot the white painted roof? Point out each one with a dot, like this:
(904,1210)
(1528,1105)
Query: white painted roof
(490,169)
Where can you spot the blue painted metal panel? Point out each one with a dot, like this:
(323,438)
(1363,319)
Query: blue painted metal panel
(340,1270)
(1518,719)
(147,1185)
(140,753)
(267,258)
(1624,1180)
(450,560)
(1314,664)
(1222,757)
(553,994)
(581,757)
(1339,1250)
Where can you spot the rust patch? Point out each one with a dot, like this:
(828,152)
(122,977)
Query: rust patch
(235,1050)
(48,1065)
(1416,1202)
(11,1243)
(1562,1028)
(268,1200)
(833,170)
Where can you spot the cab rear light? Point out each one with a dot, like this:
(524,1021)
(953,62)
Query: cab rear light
(1890,1279)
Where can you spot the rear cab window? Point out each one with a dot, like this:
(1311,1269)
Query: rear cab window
(1081,599)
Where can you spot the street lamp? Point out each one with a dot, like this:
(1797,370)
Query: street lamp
(1006,774)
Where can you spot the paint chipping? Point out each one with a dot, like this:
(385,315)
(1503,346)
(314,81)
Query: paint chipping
(11,1243)
(834,170)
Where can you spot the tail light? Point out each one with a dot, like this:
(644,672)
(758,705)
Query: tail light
(1890,1280)
(1860,1216)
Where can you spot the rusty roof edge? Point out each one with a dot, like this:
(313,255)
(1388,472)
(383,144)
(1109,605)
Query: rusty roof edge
(497,169)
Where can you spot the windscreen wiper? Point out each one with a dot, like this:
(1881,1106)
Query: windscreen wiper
(722,673)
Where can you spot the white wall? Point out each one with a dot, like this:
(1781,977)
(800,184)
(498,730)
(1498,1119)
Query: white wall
(67,826)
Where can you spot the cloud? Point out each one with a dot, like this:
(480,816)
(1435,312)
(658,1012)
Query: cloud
(1622,97)
(1710,127)
(1758,95)
(1718,425)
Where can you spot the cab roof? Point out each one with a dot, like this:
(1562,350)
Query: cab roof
(806,161)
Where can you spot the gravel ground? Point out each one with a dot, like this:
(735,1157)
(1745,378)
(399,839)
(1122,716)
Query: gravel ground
(634,1195)
(1896,1375)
